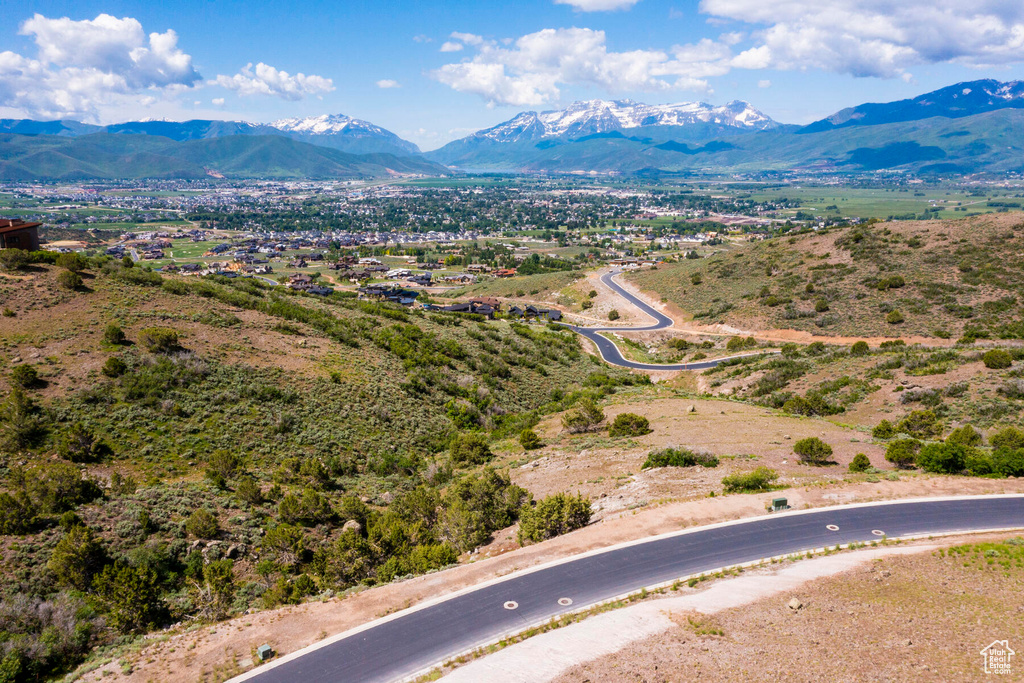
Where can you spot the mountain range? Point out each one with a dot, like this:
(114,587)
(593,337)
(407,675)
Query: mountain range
(967,127)
(336,131)
(975,126)
(105,155)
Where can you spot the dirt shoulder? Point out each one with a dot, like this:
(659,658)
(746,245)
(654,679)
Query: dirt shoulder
(215,652)
(917,616)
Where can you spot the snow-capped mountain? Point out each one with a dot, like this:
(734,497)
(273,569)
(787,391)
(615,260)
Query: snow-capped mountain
(593,117)
(954,101)
(345,133)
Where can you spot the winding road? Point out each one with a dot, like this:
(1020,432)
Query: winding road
(610,352)
(412,641)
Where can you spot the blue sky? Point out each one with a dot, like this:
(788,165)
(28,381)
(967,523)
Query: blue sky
(432,72)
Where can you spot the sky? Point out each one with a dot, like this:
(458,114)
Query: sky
(436,71)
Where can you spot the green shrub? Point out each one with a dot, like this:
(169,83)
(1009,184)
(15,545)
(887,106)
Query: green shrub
(79,444)
(860,463)
(131,596)
(821,306)
(56,487)
(860,348)
(964,436)
(921,424)
(1009,438)
(71,261)
(942,458)
(673,457)
(113,335)
(202,524)
(17,513)
(629,424)
(555,515)
(21,424)
(613,314)
(69,279)
(529,440)
(583,417)
(760,479)
(997,359)
(76,558)
(159,339)
(883,430)
(13,259)
(24,376)
(903,452)
(813,451)
(894,318)
(114,367)
(470,449)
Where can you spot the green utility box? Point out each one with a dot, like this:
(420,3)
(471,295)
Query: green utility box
(778,504)
(264,652)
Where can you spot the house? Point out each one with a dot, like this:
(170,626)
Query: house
(552,314)
(422,279)
(18,234)
(478,268)
(471,307)
(504,272)
(298,263)
(486,301)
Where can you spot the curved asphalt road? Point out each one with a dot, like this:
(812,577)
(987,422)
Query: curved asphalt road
(610,352)
(417,639)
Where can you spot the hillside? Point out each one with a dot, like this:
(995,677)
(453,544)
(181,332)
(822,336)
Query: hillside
(944,278)
(279,417)
(109,156)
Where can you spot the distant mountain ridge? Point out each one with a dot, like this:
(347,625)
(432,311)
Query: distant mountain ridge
(108,156)
(335,131)
(955,101)
(967,127)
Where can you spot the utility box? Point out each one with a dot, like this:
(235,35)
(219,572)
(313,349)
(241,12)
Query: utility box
(264,652)
(778,504)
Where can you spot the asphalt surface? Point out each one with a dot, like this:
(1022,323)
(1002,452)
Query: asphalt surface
(610,352)
(419,639)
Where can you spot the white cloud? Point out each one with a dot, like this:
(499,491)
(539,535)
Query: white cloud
(266,80)
(880,38)
(217,101)
(597,5)
(84,65)
(764,84)
(451,46)
(388,83)
(530,70)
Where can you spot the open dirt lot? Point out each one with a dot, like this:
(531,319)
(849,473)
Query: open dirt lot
(901,617)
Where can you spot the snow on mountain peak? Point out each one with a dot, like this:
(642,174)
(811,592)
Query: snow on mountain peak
(588,117)
(316,125)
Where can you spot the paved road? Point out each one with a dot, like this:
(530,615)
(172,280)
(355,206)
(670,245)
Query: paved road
(610,352)
(418,639)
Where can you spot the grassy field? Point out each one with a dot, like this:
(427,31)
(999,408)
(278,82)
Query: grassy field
(882,203)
